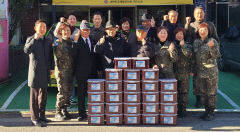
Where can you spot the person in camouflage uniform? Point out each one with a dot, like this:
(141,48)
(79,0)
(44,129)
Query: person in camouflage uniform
(165,54)
(182,70)
(206,51)
(192,35)
(63,50)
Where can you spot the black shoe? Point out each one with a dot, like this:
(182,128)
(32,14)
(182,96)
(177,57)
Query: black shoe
(59,116)
(203,115)
(82,118)
(66,115)
(38,124)
(182,114)
(45,120)
(198,101)
(209,117)
(73,102)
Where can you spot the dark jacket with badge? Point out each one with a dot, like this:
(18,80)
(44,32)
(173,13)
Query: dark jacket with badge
(171,27)
(136,49)
(40,61)
(112,47)
(84,58)
(164,59)
(152,35)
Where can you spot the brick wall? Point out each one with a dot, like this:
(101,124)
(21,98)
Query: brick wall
(27,25)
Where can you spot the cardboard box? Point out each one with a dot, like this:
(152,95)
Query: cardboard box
(168,108)
(140,62)
(168,97)
(150,119)
(95,108)
(113,74)
(150,97)
(150,86)
(132,108)
(114,108)
(96,119)
(131,86)
(132,97)
(150,108)
(113,86)
(114,119)
(168,85)
(132,119)
(168,119)
(95,97)
(150,74)
(96,85)
(114,97)
(122,63)
(132,74)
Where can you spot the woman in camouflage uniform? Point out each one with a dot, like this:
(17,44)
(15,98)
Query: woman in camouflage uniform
(182,70)
(165,54)
(206,51)
(63,49)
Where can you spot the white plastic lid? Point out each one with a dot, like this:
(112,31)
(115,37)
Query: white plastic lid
(131,81)
(169,92)
(114,103)
(113,81)
(169,103)
(113,92)
(114,114)
(150,69)
(150,103)
(132,70)
(132,92)
(150,81)
(96,80)
(168,80)
(140,58)
(150,92)
(111,69)
(132,103)
(122,58)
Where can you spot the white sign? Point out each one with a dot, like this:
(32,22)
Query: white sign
(3,9)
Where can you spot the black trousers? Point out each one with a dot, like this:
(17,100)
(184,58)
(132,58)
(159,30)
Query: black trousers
(38,101)
(81,93)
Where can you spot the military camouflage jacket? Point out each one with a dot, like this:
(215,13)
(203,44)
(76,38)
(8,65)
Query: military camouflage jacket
(182,67)
(164,59)
(205,57)
(63,55)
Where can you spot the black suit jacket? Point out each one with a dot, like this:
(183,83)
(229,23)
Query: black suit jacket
(85,60)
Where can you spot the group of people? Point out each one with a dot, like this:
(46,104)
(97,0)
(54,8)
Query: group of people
(85,52)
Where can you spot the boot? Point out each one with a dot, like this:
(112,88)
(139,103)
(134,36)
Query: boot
(203,116)
(210,116)
(66,115)
(198,101)
(59,116)
(182,112)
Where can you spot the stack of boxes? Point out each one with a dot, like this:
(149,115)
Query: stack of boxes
(134,100)
(96,101)
(168,101)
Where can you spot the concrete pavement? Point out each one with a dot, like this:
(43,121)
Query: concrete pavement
(20,122)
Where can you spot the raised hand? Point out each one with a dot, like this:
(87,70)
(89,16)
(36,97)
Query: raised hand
(102,40)
(182,42)
(171,47)
(211,43)
(188,20)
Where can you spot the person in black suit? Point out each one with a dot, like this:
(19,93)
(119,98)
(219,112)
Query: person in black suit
(39,49)
(85,65)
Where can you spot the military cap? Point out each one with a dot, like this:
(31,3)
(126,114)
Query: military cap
(146,17)
(110,24)
(141,27)
(84,25)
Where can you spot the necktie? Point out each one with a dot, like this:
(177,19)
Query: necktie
(86,41)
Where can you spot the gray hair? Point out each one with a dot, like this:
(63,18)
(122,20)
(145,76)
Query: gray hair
(173,11)
(198,7)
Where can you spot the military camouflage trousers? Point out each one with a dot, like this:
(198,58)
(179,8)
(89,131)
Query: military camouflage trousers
(64,85)
(183,90)
(208,91)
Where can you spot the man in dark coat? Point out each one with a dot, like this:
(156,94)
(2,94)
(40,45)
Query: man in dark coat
(85,66)
(39,49)
(110,46)
(139,46)
(151,31)
(172,24)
